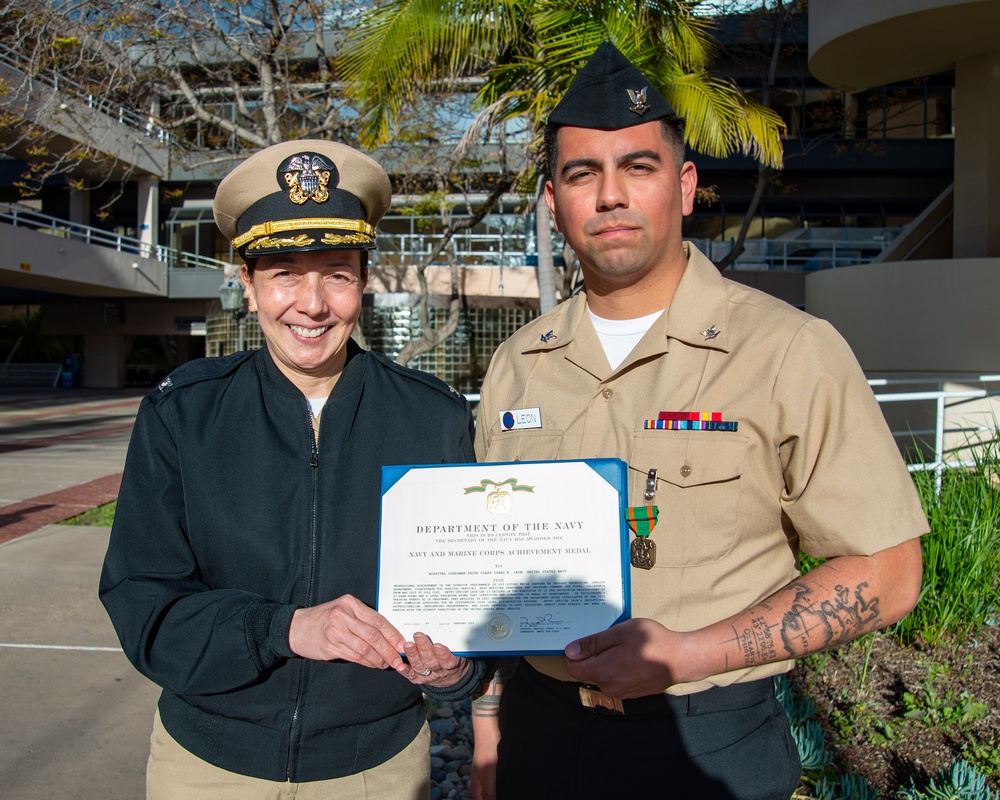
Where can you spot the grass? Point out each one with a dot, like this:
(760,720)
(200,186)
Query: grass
(102,516)
(960,592)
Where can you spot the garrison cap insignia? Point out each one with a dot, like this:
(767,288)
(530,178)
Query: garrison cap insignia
(638,98)
(307,176)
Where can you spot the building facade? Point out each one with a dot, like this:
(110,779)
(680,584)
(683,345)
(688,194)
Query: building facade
(865,161)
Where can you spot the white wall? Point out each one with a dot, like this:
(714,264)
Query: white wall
(915,316)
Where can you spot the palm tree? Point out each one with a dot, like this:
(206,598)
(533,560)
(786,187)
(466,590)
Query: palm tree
(526,52)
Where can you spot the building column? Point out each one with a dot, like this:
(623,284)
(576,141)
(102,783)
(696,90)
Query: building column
(189,348)
(148,222)
(79,204)
(977,157)
(104,360)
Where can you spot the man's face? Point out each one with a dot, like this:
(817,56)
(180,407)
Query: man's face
(307,305)
(619,197)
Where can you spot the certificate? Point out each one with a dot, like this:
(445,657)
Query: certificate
(504,558)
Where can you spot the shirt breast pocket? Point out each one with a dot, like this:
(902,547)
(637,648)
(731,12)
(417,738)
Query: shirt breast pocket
(698,486)
(523,445)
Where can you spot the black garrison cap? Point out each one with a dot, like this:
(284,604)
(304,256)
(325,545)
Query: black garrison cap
(609,94)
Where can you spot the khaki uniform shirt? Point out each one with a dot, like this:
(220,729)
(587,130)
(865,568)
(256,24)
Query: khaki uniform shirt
(812,465)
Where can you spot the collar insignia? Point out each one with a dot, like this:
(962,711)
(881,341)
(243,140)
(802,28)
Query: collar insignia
(638,98)
(307,176)
(711,333)
(548,337)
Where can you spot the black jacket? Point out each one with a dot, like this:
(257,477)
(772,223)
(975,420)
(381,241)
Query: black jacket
(230,518)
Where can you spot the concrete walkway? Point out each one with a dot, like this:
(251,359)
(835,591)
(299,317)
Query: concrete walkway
(76,716)
(61,452)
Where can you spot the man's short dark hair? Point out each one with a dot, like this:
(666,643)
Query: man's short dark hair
(673,133)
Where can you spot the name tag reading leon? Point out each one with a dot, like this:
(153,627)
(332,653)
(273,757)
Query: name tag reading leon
(519,419)
(504,558)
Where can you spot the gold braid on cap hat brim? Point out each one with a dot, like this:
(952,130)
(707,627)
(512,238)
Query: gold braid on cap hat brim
(282,226)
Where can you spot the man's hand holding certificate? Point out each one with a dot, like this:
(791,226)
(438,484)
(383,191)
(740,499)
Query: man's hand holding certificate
(514,558)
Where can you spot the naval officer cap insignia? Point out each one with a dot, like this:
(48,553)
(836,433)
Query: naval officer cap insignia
(609,94)
(308,194)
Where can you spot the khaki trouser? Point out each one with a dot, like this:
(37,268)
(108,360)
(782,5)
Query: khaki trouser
(173,773)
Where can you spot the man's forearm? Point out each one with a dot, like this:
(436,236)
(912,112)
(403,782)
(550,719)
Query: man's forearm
(486,703)
(486,730)
(831,605)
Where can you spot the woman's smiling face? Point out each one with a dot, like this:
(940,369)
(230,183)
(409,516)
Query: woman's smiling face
(307,304)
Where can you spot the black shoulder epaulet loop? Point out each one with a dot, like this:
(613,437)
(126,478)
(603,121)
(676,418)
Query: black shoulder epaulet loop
(199,370)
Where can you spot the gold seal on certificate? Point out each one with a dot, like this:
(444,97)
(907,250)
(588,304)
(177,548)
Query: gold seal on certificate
(516,558)
(498,502)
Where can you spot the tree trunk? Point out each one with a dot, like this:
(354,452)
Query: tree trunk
(740,244)
(782,13)
(546,267)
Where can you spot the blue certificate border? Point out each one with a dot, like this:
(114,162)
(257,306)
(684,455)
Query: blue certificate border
(612,470)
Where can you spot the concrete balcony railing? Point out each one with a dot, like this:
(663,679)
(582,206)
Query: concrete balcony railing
(49,254)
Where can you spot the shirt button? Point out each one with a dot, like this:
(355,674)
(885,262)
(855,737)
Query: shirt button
(685,471)
(607,394)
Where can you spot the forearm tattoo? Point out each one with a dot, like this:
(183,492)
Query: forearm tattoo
(756,642)
(487,704)
(808,625)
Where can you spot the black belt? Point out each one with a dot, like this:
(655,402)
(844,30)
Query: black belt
(709,701)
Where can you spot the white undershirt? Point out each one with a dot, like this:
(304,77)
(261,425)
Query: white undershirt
(316,404)
(620,336)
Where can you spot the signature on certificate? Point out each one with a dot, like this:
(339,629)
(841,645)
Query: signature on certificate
(546,619)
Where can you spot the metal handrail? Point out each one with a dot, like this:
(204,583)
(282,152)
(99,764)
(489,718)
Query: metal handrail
(943,400)
(812,253)
(18,216)
(471,249)
(30,374)
(509,249)
(131,118)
